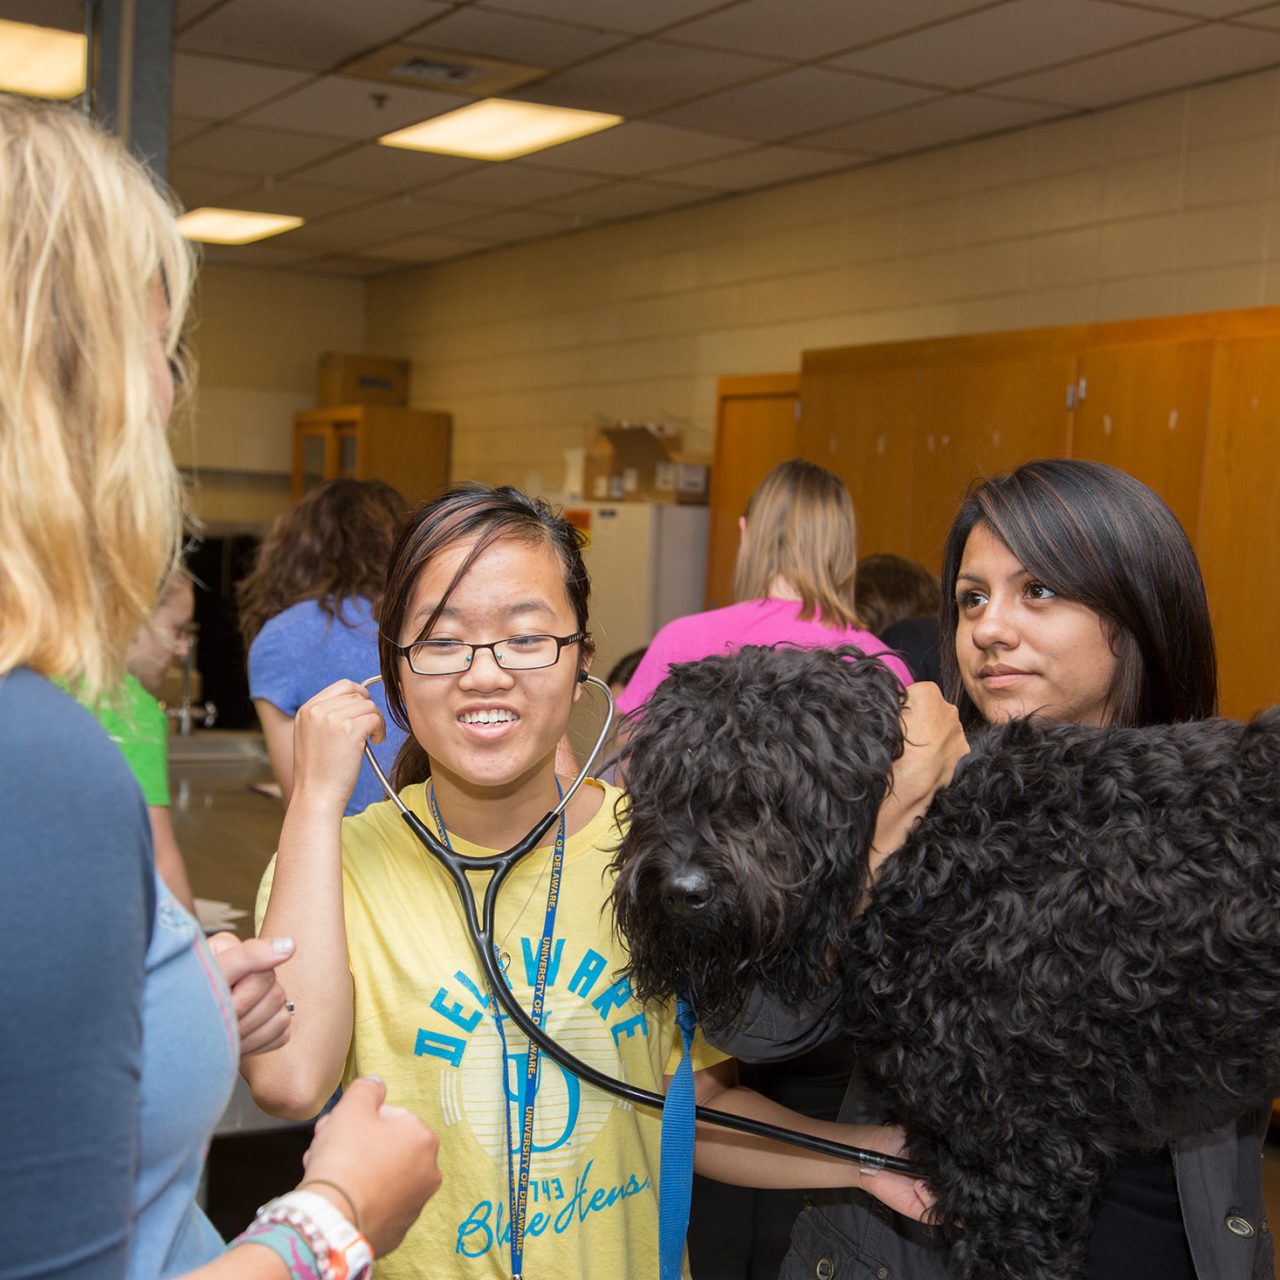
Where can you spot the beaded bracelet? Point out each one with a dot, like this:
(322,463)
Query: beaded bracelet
(288,1242)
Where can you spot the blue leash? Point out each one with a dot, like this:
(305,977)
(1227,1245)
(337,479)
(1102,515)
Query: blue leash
(675,1169)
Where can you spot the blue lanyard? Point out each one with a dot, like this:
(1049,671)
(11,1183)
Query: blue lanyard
(518,1187)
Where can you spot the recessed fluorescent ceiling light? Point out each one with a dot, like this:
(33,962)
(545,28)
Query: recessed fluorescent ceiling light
(497,129)
(41,62)
(233,226)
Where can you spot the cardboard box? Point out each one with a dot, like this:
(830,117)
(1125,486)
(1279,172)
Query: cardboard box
(643,462)
(346,379)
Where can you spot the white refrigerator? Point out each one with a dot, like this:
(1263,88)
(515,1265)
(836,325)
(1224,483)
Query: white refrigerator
(648,564)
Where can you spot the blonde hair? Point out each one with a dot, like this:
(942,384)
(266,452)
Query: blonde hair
(801,528)
(90,502)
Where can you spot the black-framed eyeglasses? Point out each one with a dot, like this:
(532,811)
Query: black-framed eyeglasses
(515,653)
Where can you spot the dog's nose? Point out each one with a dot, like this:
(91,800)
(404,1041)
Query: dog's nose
(688,891)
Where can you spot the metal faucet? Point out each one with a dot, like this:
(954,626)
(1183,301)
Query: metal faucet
(185,714)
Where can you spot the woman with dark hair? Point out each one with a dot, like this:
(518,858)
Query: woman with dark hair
(484,647)
(1074,594)
(308,612)
(1069,592)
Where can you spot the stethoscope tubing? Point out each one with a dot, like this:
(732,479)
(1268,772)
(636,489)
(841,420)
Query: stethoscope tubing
(481,927)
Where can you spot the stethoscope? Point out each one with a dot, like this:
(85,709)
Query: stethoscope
(480,923)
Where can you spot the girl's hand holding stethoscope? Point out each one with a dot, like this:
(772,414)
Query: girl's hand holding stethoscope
(329,733)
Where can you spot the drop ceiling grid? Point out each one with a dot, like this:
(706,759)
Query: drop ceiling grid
(721,97)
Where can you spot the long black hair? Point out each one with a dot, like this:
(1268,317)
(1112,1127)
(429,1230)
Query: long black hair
(1099,537)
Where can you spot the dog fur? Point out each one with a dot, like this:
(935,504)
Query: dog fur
(1076,952)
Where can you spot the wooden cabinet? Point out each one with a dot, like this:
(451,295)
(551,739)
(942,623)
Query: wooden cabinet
(756,428)
(1188,404)
(408,448)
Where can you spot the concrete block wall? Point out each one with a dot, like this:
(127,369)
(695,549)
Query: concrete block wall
(1164,206)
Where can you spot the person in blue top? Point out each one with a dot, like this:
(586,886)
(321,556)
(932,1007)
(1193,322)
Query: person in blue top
(309,614)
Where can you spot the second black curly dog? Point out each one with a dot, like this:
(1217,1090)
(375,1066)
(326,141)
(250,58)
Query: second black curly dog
(1077,952)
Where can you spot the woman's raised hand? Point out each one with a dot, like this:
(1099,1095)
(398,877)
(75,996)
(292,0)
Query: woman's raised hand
(329,734)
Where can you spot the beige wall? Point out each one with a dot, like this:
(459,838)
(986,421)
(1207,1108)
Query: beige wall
(1164,206)
(257,338)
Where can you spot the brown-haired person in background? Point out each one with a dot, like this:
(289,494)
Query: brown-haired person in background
(309,613)
(122,1030)
(898,599)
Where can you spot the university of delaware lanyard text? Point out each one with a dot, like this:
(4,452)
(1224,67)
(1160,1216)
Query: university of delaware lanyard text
(518,1188)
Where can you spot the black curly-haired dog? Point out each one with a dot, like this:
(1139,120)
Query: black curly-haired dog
(1076,952)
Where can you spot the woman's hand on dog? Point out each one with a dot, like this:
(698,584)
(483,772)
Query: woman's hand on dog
(933,744)
(910,1197)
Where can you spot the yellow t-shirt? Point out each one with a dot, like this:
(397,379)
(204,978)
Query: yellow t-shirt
(423,1023)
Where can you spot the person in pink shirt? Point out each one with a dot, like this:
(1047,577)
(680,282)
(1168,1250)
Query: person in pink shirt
(793,582)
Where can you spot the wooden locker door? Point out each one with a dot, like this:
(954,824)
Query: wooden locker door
(1143,407)
(755,430)
(1239,522)
(985,406)
(858,417)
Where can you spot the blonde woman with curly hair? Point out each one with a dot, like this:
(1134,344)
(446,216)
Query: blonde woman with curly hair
(121,1033)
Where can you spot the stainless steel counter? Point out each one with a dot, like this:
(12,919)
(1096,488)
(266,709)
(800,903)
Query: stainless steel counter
(227,833)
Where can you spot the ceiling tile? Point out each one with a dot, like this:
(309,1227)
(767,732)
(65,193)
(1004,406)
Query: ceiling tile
(932,124)
(760,167)
(183,127)
(518,39)
(341,236)
(628,199)
(1268,17)
(517,224)
(297,198)
(1198,8)
(213,88)
(263,253)
(353,108)
(771,26)
(1009,40)
(645,76)
(316,34)
(635,148)
(1185,58)
(185,11)
(198,187)
(350,265)
(613,15)
(388,219)
(243,149)
(376,169)
(422,249)
(793,102)
(509,184)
